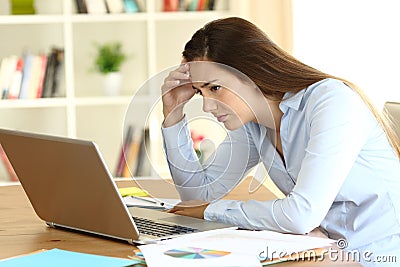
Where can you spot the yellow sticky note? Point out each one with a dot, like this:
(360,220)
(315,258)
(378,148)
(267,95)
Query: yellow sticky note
(133,191)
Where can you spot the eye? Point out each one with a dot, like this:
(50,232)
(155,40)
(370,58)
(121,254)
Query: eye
(215,87)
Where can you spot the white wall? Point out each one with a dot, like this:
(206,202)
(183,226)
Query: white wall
(274,17)
(355,39)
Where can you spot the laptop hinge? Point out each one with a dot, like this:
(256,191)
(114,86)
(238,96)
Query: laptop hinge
(51,224)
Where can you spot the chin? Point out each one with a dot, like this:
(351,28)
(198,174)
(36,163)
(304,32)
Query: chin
(232,126)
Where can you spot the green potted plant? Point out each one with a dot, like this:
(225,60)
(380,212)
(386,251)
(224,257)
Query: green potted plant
(108,61)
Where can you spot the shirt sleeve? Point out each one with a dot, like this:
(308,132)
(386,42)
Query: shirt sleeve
(219,174)
(339,124)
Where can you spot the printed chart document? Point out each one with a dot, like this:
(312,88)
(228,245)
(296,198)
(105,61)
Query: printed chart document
(169,255)
(228,247)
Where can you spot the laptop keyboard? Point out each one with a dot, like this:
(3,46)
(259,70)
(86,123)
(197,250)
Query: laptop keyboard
(149,227)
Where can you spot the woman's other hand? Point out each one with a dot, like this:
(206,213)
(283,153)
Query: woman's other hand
(176,91)
(192,208)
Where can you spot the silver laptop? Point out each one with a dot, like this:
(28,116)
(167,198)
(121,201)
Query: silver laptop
(69,186)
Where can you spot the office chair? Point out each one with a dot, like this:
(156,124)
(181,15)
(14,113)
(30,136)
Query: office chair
(393,110)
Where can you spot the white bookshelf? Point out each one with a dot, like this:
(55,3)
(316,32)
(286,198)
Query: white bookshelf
(153,41)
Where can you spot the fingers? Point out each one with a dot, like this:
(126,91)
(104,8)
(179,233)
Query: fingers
(176,92)
(171,84)
(187,204)
(173,210)
(178,207)
(179,211)
(176,77)
(183,67)
(179,75)
(192,208)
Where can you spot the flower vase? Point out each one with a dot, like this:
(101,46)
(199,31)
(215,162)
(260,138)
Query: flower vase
(112,83)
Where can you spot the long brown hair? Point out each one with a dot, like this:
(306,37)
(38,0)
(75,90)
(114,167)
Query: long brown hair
(243,46)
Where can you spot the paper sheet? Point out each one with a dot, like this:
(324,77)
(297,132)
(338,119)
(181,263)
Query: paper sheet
(177,255)
(260,245)
(266,244)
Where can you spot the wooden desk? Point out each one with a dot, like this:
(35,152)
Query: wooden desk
(21,231)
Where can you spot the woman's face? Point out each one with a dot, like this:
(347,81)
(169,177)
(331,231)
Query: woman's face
(225,96)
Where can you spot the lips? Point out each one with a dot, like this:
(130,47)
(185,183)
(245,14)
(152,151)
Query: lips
(222,118)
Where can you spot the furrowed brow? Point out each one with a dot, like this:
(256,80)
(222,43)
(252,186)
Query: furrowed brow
(204,84)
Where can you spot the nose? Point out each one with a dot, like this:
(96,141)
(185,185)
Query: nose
(209,104)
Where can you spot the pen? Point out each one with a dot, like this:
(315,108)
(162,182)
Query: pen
(148,200)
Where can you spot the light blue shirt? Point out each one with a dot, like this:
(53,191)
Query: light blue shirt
(340,172)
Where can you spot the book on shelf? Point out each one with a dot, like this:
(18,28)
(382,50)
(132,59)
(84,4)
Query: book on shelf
(3,66)
(201,5)
(193,5)
(133,159)
(188,5)
(109,6)
(132,155)
(115,6)
(141,5)
(131,6)
(26,75)
(35,77)
(81,6)
(210,4)
(96,6)
(41,75)
(122,155)
(8,67)
(170,5)
(31,76)
(50,87)
(143,165)
(51,84)
(16,80)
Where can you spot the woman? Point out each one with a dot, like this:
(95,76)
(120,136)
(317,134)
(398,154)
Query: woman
(324,144)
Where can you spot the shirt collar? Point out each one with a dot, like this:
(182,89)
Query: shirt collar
(296,100)
(291,100)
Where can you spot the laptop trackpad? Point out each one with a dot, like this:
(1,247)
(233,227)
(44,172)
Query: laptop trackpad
(181,220)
